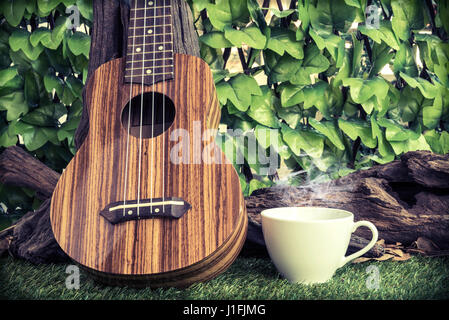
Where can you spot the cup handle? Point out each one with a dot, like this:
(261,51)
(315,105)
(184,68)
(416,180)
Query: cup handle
(361,252)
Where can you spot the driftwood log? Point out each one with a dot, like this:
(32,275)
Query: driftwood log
(406,199)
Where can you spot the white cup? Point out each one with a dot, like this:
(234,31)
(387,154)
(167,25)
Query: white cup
(308,244)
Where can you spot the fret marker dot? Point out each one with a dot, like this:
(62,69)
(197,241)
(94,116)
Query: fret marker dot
(161,48)
(138,49)
(150,31)
(150,3)
(149,71)
(157,210)
(130,212)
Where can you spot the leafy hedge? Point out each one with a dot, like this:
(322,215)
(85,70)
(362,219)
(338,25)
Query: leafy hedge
(43,66)
(318,81)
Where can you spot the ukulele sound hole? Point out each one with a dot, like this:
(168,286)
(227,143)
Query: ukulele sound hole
(150,127)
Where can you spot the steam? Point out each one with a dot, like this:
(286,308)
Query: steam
(317,191)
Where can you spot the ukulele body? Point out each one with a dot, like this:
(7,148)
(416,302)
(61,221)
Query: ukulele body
(153,251)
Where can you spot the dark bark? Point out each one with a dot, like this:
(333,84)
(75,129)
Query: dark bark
(18,168)
(33,239)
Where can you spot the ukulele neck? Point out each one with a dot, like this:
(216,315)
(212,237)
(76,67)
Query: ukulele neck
(149,57)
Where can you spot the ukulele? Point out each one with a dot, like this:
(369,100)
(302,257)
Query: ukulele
(141,204)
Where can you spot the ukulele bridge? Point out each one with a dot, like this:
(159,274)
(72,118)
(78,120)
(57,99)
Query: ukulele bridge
(123,211)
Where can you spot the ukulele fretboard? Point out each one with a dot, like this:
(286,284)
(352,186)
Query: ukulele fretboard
(149,57)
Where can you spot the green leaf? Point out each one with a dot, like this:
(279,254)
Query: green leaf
(261,108)
(46,6)
(384,146)
(19,40)
(33,137)
(291,94)
(410,145)
(13,10)
(8,136)
(67,96)
(383,33)
(267,137)
(50,39)
(45,116)
(244,87)
(314,62)
(281,14)
(444,142)
(443,13)
(281,68)
(319,95)
(79,43)
(226,12)
(358,128)
(256,14)
(362,90)
(292,116)
(7,75)
(395,132)
(32,88)
(220,14)
(382,55)
(408,15)
(225,93)
(404,61)
(330,15)
(53,82)
(410,103)
(330,130)
(86,8)
(216,39)
(433,139)
(76,86)
(432,112)
(239,90)
(255,185)
(283,40)
(334,44)
(428,90)
(357,51)
(41,35)
(311,142)
(251,36)
(14,104)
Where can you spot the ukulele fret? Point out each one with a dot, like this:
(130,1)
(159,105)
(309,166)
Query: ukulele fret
(139,76)
(146,35)
(150,42)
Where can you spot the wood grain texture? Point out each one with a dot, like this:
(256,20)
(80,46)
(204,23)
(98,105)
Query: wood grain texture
(149,249)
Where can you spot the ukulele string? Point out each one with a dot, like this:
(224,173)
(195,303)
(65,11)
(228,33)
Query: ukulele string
(129,110)
(152,109)
(141,111)
(163,112)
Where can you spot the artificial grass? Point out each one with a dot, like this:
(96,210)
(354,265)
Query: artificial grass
(247,279)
